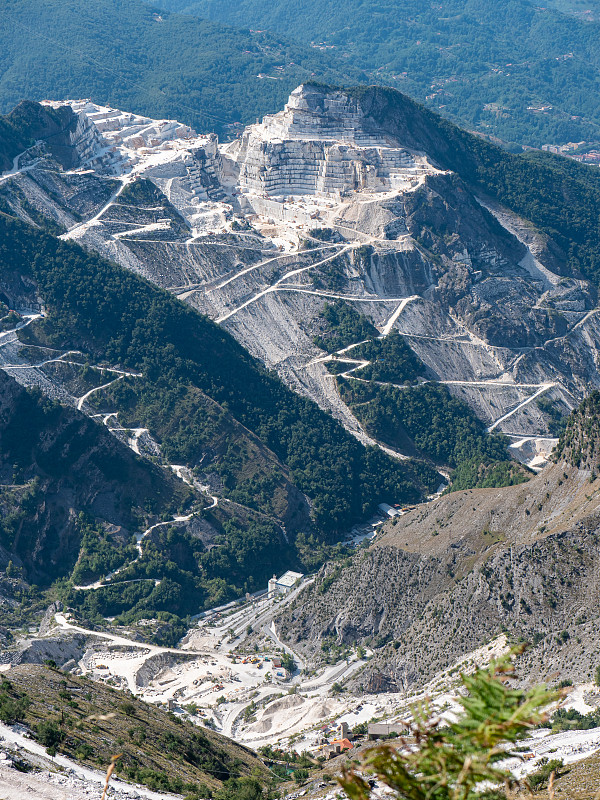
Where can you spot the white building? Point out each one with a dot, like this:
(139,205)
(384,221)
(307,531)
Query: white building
(389,511)
(284,584)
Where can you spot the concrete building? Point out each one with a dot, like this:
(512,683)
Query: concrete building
(284,584)
(376,730)
(389,511)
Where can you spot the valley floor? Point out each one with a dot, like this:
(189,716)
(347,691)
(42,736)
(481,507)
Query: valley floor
(236,688)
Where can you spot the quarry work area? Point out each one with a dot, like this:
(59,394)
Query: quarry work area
(313,207)
(316,204)
(227,674)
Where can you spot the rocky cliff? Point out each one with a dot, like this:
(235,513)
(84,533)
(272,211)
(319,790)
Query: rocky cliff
(357,196)
(444,580)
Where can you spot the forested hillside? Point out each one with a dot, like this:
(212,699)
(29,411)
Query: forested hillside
(559,196)
(164,65)
(57,464)
(486,64)
(30,122)
(157,749)
(206,401)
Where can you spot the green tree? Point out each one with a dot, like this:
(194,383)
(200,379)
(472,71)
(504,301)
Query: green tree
(49,734)
(450,762)
(287,662)
(300,775)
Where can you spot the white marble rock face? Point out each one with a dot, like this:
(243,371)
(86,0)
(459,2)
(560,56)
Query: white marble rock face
(319,145)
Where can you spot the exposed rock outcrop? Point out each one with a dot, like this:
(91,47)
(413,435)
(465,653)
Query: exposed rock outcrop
(341,195)
(445,579)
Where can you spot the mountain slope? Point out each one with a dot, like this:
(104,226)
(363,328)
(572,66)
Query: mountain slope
(429,259)
(415,248)
(206,402)
(57,464)
(483,63)
(448,577)
(90,722)
(560,197)
(30,122)
(128,54)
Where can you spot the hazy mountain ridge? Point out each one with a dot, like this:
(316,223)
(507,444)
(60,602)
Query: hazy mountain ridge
(137,57)
(516,70)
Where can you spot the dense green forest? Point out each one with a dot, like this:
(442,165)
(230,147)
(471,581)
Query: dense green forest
(486,64)
(127,321)
(391,359)
(343,326)
(441,427)
(488,473)
(125,53)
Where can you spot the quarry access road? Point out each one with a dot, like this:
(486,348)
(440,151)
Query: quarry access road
(544,388)
(139,539)
(275,287)
(27,320)
(253,267)
(57,359)
(120,640)
(83,226)
(82,399)
(15,170)
(332,295)
(387,328)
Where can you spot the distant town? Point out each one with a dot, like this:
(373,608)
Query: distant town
(585,152)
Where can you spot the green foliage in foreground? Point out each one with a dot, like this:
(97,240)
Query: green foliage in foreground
(449,763)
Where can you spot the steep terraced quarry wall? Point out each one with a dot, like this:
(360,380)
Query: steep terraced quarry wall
(320,145)
(303,210)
